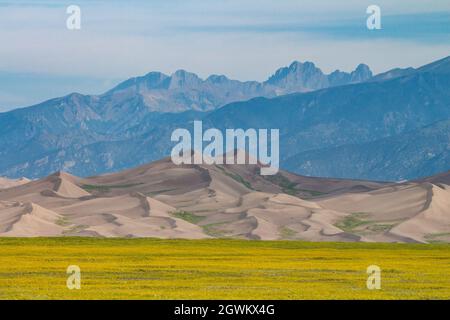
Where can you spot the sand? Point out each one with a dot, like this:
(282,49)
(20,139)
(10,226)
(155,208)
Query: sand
(9,183)
(163,200)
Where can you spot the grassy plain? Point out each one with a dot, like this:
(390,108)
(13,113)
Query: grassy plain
(35,268)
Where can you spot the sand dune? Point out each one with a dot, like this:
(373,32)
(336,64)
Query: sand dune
(66,187)
(405,212)
(160,227)
(9,183)
(433,222)
(29,220)
(163,200)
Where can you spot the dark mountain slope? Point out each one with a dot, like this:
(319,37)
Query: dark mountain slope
(418,153)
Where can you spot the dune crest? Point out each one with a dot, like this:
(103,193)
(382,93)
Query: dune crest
(164,200)
(433,222)
(67,188)
(9,183)
(30,220)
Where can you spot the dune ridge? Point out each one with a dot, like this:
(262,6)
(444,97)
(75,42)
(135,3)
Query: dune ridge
(9,183)
(163,200)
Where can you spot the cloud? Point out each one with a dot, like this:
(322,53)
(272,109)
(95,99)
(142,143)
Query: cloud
(246,40)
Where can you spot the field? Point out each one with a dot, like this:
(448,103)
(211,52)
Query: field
(35,268)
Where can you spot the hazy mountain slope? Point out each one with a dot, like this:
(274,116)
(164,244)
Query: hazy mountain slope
(184,91)
(353,114)
(394,73)
(418,153)
(304,77)
(95,134)
(64,133)
(146,141)
(442,178)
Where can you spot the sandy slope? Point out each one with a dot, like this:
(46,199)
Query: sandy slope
(198,201)
(28,220)
(9,183)
(431,223)
(405,212)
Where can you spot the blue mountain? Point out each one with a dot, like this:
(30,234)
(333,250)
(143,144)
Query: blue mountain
(316,114)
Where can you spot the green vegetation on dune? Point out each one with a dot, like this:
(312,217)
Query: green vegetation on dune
(63,221)
(35,268)
(313,193)
(358,223)
(236,177)
(188,216)
(107,188)
(290,187)
(214,231)
(155,193)
(75,229)
(381,227)
(287,233)
(100,188)
(353,221)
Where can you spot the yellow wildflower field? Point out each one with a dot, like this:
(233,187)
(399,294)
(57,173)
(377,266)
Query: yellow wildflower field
(35,268)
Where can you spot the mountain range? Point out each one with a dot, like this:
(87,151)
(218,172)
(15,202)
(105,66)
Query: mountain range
(184,91)
(392,126)
(381,117)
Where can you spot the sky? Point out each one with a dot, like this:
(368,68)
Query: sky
(242,39)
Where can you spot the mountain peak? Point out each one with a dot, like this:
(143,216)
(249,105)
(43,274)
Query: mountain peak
(295,65)
(182,78)
(361,73)
(181,73)
(154,75)
(303,76)
(94,134)
(152,80)
(302,66)
(362,67)
(75,95)
(216,78)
